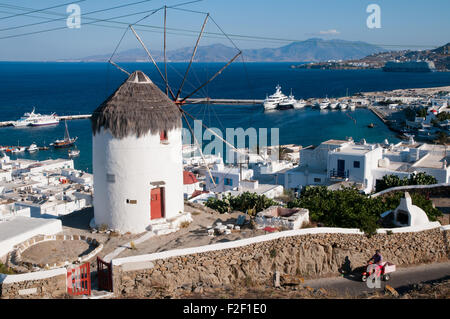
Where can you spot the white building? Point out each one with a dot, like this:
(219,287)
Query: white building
(238,180)
(226,177)
(190,184)
(335,161)
(137,157)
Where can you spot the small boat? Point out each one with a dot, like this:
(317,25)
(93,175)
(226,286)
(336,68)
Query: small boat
(324,104)
(74,153)
(342,105)
(299,104)
(352,106)
(371,125)
(66,142)
(18,149)
(32,148)
(333,105)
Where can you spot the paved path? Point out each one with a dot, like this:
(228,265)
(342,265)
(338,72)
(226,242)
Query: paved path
(401,278)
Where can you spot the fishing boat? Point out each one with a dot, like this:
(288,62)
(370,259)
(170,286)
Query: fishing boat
(66,142)
(32,148)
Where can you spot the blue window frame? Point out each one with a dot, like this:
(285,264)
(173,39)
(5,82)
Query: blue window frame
(228,181)
(216,180)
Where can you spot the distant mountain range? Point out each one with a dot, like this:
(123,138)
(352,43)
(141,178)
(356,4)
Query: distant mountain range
(311,50)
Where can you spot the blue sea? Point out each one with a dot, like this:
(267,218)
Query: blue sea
(78,88)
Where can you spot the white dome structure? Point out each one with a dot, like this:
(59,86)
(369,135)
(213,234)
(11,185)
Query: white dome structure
(137,157)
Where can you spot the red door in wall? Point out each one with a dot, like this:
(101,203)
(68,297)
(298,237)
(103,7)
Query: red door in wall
(156,203)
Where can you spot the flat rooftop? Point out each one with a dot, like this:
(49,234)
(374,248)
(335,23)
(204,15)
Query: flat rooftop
(335,142)
(21,228)
(433,160)
(356,149)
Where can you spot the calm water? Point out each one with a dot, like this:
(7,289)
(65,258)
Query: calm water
(78,88)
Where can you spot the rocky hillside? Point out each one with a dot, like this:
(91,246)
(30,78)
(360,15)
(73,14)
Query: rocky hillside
(312,50)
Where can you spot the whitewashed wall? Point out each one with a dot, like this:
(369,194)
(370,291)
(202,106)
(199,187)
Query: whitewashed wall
(135,163)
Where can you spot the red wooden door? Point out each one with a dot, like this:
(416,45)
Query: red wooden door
(156,203)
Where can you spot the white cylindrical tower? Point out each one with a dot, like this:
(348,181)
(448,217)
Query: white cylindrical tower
(137,157)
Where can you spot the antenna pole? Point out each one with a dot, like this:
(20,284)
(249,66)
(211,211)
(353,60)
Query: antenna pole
(213,77)
(153,60)
(165,60)
(193,56)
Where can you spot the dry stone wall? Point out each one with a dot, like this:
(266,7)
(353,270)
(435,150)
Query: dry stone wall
(25,286)
(309,256)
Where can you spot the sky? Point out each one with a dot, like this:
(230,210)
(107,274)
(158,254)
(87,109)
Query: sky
(404,24)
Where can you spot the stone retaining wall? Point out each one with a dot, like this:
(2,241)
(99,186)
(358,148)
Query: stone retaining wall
(45,284)
(308,255)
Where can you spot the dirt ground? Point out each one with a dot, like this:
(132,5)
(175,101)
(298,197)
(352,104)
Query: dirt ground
(195,234)
(77,223)
(56,251)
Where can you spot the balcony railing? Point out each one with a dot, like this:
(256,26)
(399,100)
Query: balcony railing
(339,174)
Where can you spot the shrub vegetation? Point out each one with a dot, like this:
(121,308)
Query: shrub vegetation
(389,181)
(244,202)
(348,208)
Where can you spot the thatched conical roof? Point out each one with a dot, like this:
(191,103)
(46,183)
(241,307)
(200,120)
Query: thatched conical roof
(137,107)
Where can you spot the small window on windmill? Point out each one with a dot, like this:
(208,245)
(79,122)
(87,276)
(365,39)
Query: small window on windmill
(131,201)
(110,178)
(163,137)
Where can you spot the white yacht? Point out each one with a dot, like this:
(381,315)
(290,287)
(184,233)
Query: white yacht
(36,119)
(272,101)
(333,105)
(324,104)
(352,106)
(287,102)
(342,105)
(299,104)
(32,148)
